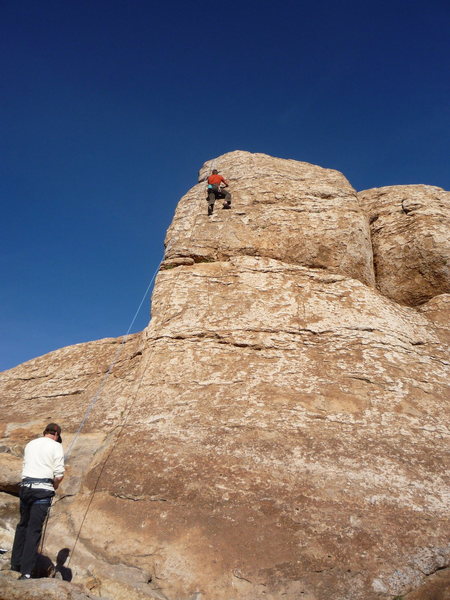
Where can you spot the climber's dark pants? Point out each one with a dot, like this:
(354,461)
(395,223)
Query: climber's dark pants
(34,506)
(215,193)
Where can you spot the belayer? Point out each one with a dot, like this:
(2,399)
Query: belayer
(216,190)
(43,471)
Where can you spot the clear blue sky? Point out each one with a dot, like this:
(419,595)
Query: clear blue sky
(109,108)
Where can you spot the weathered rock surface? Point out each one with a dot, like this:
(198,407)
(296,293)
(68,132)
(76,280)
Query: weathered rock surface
(284,209)
(411,244)
(59,384)
(279,430)
(40,589)
(437,310)
(436,587)
(9,511)
(10,473)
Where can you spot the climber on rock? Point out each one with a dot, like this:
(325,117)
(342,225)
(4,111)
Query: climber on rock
(216,185)
(43,471)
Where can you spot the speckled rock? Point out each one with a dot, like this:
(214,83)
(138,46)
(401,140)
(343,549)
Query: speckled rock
(9,511)
(10,473)
(437,310)
(62,382)
(411,242)
(435,587)
(40,589)
(279,429)
(283,209)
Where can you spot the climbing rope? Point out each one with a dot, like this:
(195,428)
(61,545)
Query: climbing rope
(96,396)
(113,445)
(121,427)
(94,400)
(120,348)
(111,366)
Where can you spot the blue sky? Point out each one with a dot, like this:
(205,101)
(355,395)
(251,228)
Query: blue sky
(109,108)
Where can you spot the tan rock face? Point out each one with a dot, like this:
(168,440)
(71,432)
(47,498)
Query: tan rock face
(278,431)
(411,243)
(43,589)
(10,473)
(437,310)
(59,387)
(283,209)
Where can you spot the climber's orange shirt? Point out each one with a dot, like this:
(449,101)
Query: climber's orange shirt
(216,179)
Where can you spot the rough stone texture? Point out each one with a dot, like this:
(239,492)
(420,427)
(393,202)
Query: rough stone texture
(40,589)
(283,209)
(437,310)
(436,587)
(62,383)
(10,473)
(278,430)
(411,243)
(9,511)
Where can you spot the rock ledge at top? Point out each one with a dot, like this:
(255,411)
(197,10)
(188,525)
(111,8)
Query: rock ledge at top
(284,209)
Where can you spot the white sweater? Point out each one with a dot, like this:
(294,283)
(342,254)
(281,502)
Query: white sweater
(44,459)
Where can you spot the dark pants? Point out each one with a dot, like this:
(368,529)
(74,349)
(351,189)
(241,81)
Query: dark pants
(215,193)
(34,506)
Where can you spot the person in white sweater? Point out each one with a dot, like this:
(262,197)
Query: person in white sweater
(43,471)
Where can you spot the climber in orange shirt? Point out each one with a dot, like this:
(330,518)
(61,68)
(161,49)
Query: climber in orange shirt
(216,185)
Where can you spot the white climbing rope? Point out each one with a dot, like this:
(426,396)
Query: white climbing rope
(111,366)
(130,404)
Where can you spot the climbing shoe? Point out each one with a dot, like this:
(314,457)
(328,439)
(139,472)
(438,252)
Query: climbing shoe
(26,576)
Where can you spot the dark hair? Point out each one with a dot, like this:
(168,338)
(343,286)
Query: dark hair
(54,428)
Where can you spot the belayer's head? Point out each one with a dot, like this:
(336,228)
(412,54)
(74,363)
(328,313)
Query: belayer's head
(53,431)
(215,172)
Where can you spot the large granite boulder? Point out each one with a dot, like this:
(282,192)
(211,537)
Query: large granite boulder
(410,238)
(278,430)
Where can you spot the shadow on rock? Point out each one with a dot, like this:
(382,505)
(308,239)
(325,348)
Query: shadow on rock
(46,568)
(65,572)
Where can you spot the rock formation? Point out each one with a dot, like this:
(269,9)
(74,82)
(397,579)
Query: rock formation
(280,429)
(410,241)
